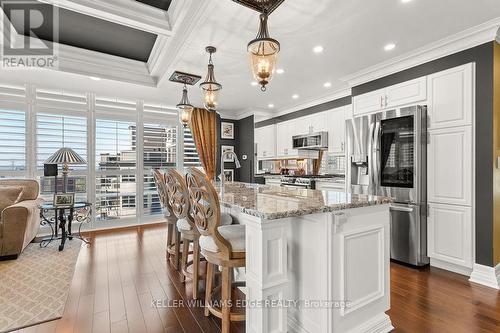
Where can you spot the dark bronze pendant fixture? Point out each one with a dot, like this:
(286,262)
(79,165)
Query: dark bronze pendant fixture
(185,108)
(263,51)
(210,87)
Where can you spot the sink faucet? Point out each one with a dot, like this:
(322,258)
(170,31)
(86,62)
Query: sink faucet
(236,162)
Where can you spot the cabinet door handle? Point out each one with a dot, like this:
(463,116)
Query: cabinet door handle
(342,146)
(386,98)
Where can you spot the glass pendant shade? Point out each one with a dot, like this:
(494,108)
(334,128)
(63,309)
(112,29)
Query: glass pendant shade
(185,108)
(263,52)
(210,87)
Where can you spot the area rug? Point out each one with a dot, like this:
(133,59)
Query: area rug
(34,288)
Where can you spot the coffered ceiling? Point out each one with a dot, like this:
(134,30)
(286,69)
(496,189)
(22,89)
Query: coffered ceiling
(162,36)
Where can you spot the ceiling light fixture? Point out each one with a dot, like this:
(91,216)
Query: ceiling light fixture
(295,96)
(390,47)
(95,78)
(318,49)
(210,86)
(270,106)
(327,84)
(185,108)
(280,71)
(405,1)
(263,51)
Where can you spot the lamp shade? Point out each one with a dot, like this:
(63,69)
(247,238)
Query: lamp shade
(65,156)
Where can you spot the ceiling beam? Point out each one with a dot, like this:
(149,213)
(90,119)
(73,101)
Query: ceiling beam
(130,13)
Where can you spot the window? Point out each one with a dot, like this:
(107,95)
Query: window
(116,158)
(160,152)
(191,158)
(12,142)
(54,132)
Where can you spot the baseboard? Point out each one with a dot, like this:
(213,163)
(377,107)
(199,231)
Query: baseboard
(451,267)
(379,324)
(486,276)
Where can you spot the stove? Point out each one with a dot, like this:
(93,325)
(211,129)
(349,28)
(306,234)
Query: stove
(306,182)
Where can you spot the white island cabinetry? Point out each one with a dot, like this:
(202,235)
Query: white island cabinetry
(316,261)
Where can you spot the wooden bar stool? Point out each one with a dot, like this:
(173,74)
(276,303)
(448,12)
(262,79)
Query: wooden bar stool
(179,202)
(221,245)
(173,246)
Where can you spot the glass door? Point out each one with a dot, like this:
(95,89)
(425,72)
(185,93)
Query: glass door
(397,148)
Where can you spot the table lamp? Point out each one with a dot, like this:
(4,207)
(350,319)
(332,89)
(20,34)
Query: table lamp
(65,156)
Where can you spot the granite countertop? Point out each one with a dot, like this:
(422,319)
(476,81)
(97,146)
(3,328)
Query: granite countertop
(275,202)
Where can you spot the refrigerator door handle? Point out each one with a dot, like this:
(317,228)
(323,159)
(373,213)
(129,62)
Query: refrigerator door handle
(375,155)
(371,171)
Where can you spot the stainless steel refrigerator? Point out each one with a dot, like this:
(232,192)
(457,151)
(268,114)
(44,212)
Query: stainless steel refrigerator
(388,156)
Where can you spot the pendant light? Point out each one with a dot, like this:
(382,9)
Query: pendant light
(210,86)
(185,108)
(263,51)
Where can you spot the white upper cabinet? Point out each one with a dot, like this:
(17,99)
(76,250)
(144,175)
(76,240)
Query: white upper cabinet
(335,120)
(405,93)
(451,98)
(284,133)
(265,138)
(449,166)
(310,124)
(369,102)
(450,234)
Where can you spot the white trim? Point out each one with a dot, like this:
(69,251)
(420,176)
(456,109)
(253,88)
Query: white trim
(466,39)
(129,13)
(379,324)
(189,15)
(450,267)
(485,275)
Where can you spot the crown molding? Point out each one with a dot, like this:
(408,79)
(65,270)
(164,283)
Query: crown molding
(262,114)
(189,16)
(337,94)
(129,13)
(464,40)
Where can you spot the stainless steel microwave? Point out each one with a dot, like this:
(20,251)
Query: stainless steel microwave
(311,141)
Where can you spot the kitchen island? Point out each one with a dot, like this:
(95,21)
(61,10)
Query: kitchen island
(316,261)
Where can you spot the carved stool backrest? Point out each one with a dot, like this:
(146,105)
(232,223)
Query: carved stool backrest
(205,208)
(178,196)
(159,179)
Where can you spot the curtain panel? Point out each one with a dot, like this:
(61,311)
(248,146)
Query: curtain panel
(204,130)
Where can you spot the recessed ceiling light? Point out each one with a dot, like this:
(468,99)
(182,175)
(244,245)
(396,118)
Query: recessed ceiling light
(405,1)
(253,83)
(280,71)
(318,49)
(390,47)
(270,106)
(327,84)
(95,78)
(295,96)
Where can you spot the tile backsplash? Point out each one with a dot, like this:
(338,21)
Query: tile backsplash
(333,164)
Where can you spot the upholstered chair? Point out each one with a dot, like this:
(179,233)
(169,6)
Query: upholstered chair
(19,215)
(221,245)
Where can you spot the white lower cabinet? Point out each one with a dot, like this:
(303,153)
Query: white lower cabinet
(330,186)
(449,166)
(450,234)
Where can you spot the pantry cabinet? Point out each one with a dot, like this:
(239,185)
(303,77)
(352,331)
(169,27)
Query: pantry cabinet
(450,234)
(451,98)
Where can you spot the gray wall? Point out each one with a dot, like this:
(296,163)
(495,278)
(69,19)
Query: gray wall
(244,145)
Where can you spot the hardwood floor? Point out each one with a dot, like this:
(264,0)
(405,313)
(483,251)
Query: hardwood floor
(117,278)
